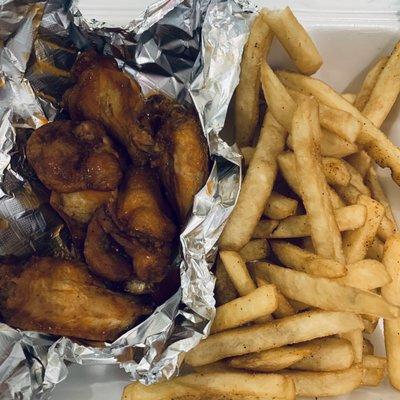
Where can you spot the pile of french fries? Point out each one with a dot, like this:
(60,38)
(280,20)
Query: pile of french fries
(310,257)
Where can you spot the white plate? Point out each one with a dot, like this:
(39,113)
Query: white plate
(350,38)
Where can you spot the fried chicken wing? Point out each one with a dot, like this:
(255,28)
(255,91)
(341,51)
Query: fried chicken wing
(73,156)
(61,298)
(104,93)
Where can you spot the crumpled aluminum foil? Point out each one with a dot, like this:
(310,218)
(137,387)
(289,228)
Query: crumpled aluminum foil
(188,49)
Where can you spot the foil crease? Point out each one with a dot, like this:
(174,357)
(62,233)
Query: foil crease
(188,49)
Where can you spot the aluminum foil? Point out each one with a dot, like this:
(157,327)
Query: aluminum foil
(188,49)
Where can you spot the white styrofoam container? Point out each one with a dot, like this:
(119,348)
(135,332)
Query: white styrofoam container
(350,35)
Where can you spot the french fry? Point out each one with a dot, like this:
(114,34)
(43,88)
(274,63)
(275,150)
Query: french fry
(369,83)
(215,385)
(294,39)
(237,271)
(348,218)
(255,250)
(391,260)
(319,384)
(314,188)
(392,344)
(373,140)
(264,228)
(270,360)
(350,97)
(336,201)
(247,92)
(370,323)
(301,260)
(247,153)
(279,206)
(327,354)
(307,289)
(357,242)
(368,348)
(361,161)
(259,303)
(224,289)
(374,369)
(256,187)
(277,333)
(365,274)
(357,340)
(356,179)
(376,250)
(385,91)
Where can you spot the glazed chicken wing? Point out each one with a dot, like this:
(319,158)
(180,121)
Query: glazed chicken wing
(61,298)
(104,93)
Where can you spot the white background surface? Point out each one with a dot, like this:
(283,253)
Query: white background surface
(350,36)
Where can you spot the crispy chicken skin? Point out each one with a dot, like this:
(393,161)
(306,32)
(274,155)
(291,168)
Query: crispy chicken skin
(104,93)
(73,156)
(60,297)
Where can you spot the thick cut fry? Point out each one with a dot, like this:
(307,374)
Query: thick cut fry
(336,201)
(216,385)
(277,333)
(264,228)
(248,90)
(348,218)
(270,360)
(392,344)
(356,180)
(301,260)
(308,289)
(369,83)
(257,186)
(237,271)
(306,134)
(373,140)
(361,161)
(247,153)
(391,260)
(224,289)
(374,369)
(294,39)
(365,274)
(357,242)
(368,348)
(356,339)
(350,97)
(279,206)
(319,384)
(376,250)
(259,303)
(327,354)
(255,250)
(370,323)
(385,91)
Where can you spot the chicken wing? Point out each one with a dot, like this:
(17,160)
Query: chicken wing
(104,93)
(72,156)
(61,298)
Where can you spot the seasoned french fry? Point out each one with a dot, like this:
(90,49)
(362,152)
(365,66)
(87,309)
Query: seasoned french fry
(247,153)
(348,218)
(270,360)
(277,333)
(370,323)
(215,385)
(361,161)
(391,260)
(357,242)
(294,39)
(373,370)
(368,348)
(356,179)
(279,206)
(259,303)
(365,274)
(264,228)
(306,133)
(376,250)
(336,201)
(237,271)
(327,354)
(392,344)
(295,257)
(319,384)
(374,141)
(369,83)
(248,90)
(256,187)
(357,340)
(224,289)
(255,250)
(350,97)
(385,91)
(307,289)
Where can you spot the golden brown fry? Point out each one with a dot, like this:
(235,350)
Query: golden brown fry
(376,250)
(357,340)
(369,83)
(277,333)
(392,344)
(301,260)
(264,228)
(350,97)
(307,289)
(370,323)
(374,369)
(294,39)
(356,179)
(246,109)
(256,249)
(361,161)
(368,347)
(256,188)
(247,153)
(279,206)
(391,260)
(224,289)
(258,303)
